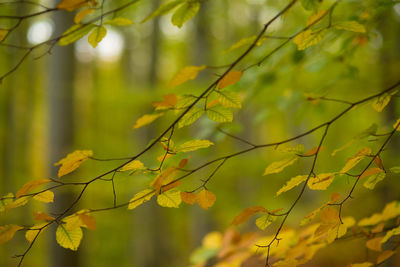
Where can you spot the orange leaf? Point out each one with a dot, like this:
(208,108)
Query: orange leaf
(82,14)
(230,78)
(313,151)
(189,198)
(246,214)
(183,163)
(41,216)
(88,221)
(186,74)
(378,162)
(205,199)
(167,187)
(384,256)
(30,186)
(371,171)
(375,244)
(161,179)
(168,102)
(71,5)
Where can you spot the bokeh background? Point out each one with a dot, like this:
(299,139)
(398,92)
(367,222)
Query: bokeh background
(84,98)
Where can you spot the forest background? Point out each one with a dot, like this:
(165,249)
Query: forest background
(77,97)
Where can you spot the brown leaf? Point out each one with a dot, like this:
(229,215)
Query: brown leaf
(246,214)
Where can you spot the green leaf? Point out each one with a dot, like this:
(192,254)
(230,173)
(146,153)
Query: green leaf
(352,26)
(184,13)
(5,200)
(194,145)
(97,35)
(69,238)
(374,179)
(229,99)
(310,4)
(193,115)
(119,21)
(220,114)
(395,169)
(170,199)
(307,38)
(75,33)
(162,9)
(264,221)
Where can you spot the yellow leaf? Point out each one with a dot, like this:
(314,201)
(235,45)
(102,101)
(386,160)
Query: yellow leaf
(364,264)
(189,198)
(240,43)
(75,32)
(30,186)
(190,117)
(31,234)
(229,99)
(329,221)
(278,166)
(170,199)
(230,78)
(140,198)
(7,232)
(390,211)
(71,5)
(69,238)
(119,21)
(315,17)
(321,182)
(381,102)
(133,166)
(384,256)
(246,214)
(162,9)
(168,102)
(3,34)
(73,161)
(212,240)
(17,203)
(82,14)
(205,199)
(186,74)
(396,125)
(97,35)
(389,234)
(351,162)
(307,38)
(295,181)
(374,179)
(194,145)
(375,244)
(41,216)
(264,221)
(352,25)
(146,119)
(46,196)
(184,13)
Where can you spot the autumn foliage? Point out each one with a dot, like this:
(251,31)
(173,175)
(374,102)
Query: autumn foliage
(278,240)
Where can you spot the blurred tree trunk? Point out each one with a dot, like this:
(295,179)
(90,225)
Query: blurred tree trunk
(61,126)
(151,234)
